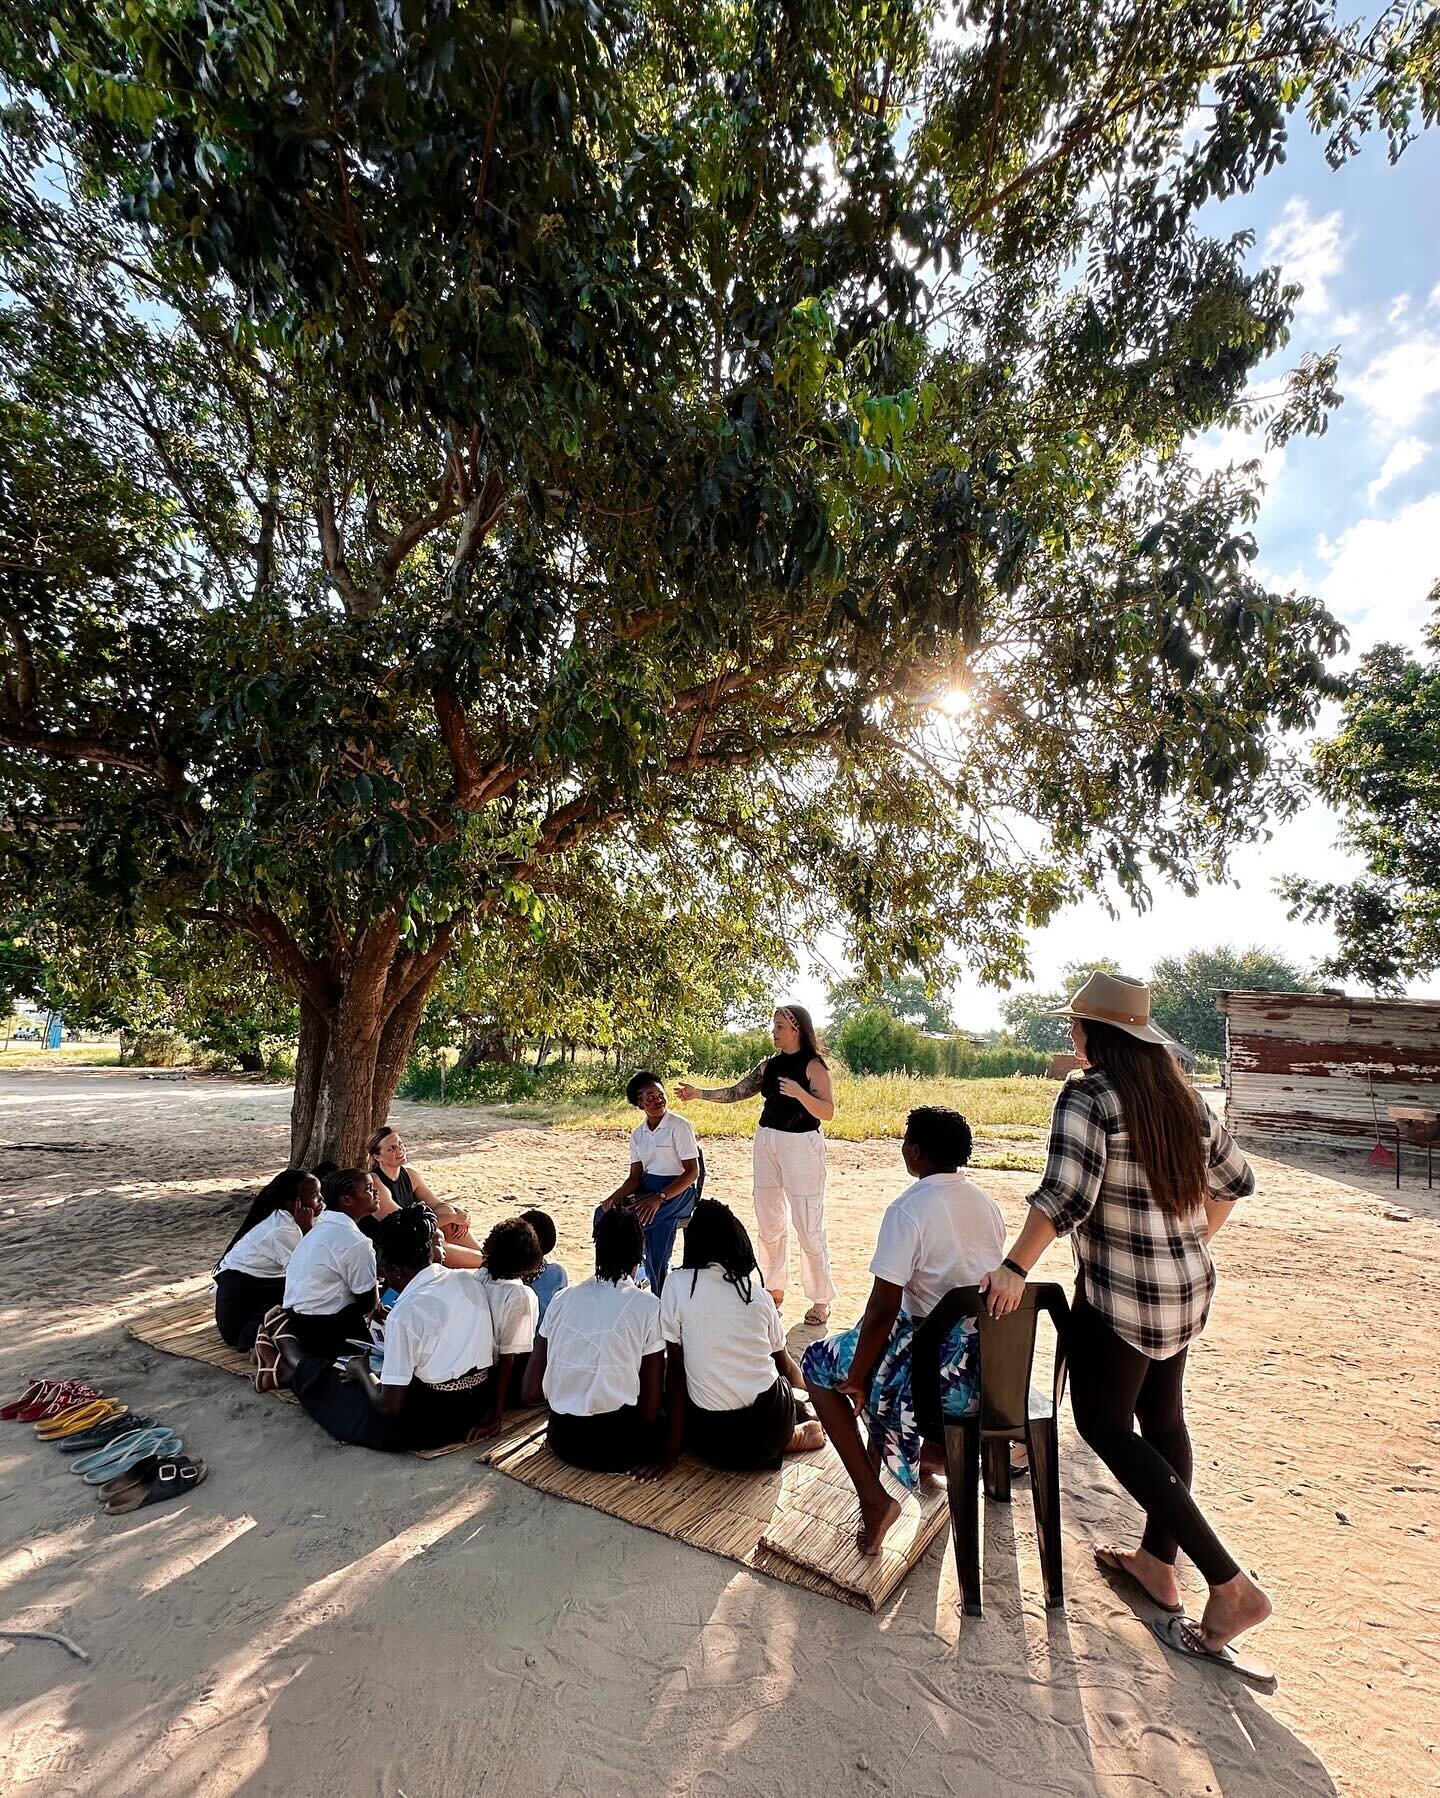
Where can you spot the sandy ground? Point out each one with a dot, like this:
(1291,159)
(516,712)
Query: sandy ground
(318,1620)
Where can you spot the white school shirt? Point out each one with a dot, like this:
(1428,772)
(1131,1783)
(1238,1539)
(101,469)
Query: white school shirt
(729,1346)
(514,1313)
(332,1262)
(264,1252)
(666,1148)
(439,1328)
(941,1232)
(596,1335)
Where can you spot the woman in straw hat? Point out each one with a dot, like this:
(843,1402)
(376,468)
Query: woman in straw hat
(1143,1174)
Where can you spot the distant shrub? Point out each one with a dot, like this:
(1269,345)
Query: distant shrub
(876,1042)
(728,1051)
(506,1082)
(155,1049)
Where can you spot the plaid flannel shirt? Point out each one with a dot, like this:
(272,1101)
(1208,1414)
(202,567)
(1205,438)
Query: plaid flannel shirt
(1147,1273)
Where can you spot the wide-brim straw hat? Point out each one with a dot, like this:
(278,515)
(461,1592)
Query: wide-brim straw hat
(1114,999)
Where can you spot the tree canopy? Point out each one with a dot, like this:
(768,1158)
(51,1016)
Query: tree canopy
(904,996)
(1183,989)
(453,453)
(1381,771)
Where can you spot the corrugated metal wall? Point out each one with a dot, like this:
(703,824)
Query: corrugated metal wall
(1301,1065)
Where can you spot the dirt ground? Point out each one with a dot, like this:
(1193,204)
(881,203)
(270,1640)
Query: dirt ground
(318,1620)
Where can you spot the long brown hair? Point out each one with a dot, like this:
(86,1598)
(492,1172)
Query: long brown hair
(805,1025)
(1160,1111)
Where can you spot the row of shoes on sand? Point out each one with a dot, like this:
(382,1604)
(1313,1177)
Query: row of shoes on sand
(132,1460)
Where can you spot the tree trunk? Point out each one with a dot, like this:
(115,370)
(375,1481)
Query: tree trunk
(309,1059)
(346,1072)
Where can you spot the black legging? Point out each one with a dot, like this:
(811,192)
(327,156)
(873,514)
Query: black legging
(1111,1387)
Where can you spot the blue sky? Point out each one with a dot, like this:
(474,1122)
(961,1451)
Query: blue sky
(1353,516)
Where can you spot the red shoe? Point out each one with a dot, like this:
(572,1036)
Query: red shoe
(59,1398)
(32,1392)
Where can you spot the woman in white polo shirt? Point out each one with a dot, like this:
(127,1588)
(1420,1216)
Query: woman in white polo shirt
(599,1359)
(441,1380)
(663,1183)
(730,1379)
(330,1281)
(250,1275)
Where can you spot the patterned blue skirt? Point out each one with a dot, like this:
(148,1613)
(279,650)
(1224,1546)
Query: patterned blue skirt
(890,1409)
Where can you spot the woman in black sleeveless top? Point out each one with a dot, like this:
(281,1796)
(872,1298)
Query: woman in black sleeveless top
(404,1186)
(789,1156)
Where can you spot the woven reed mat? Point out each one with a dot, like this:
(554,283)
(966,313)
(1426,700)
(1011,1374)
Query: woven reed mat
(187,1328)
(775,1523)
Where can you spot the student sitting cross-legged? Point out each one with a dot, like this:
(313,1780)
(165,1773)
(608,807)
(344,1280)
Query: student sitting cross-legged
(730,1380)
(512,1262)
(330,1282)
(599,1359)
(441,1380)
(250,1275)
(942,1232)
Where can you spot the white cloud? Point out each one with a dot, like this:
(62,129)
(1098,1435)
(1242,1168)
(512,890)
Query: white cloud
(1408,453)
(1434,301)
(1219,449)
(1379,571)
(1399,306)
(1399,383)
(1309,251)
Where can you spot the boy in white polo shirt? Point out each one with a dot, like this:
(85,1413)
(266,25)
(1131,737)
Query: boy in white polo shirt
(942,1232)
(662,1186)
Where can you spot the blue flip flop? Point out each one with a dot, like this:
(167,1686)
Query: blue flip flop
(120,1456)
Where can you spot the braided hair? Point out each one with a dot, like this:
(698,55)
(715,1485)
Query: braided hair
(715,1235)
(278,1194)
(336,1188)
(619,1244)
(407,1239)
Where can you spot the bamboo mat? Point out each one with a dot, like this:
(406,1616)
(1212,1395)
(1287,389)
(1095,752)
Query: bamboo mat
(187,1328)
(743,1516)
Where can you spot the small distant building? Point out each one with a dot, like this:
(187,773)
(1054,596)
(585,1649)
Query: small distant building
(1320,1067)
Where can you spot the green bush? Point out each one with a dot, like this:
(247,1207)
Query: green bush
(155,1049)
(507,1082)
(729,1052)
(876,1042)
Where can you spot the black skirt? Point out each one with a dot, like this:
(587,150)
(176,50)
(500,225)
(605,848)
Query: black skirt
(241,1300)
(750,1438)
(326,1334)
(612,1442)
(432,1418)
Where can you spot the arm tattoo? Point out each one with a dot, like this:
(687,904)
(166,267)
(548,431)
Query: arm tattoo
(744,1088)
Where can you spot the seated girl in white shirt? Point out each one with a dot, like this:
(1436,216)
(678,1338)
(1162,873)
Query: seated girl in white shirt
(663,1183)
(599,1359)
(250,1275)
(441,1380)
(330,1281)
(730,1379)
(512,1260)
(942,1232)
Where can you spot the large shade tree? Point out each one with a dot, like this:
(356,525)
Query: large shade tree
(1381,771)
(448,447)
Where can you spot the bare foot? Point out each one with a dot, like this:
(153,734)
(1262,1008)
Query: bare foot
(1233,1608)
(1155,1578)
(932,1463)
(779,1297)
(818,1314)
(805,1438)
(876,1525)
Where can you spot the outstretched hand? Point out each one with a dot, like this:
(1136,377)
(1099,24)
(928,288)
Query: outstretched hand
(686,1091)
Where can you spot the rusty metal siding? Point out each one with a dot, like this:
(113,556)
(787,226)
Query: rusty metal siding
(1301,1065)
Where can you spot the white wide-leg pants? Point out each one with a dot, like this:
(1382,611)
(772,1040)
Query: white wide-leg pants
(790,1185)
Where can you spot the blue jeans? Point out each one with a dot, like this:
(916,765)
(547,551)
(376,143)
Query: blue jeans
(660,1231)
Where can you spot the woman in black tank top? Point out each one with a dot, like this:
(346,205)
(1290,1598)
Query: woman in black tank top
(789,1156)
(405,1187)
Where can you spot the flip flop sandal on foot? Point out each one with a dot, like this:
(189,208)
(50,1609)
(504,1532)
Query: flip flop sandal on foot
(11,1412)
(818,1314)
(104,1434)
(172,1479)
(122,1454)
(1182,1635)
(83,1417)
(1107,1559)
